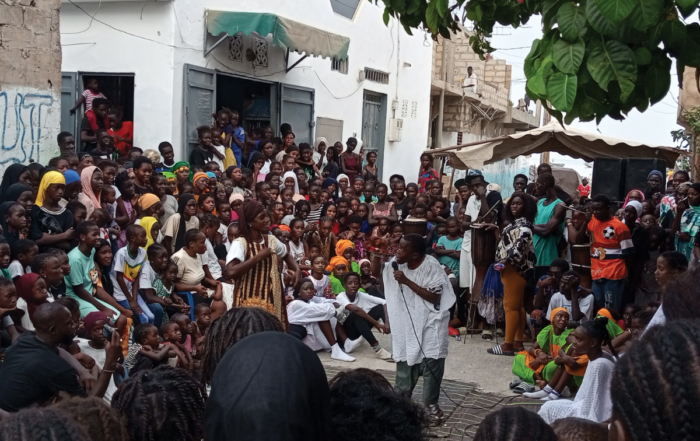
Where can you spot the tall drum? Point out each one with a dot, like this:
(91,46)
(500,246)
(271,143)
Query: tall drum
(483,246)
(415,226)
(581,263)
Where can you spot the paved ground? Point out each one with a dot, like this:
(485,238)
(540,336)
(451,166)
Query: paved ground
(475,383)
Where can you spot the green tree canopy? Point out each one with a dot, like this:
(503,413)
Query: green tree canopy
(596,58)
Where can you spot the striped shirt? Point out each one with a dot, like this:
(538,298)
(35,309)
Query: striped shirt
(89,97)
(612,242)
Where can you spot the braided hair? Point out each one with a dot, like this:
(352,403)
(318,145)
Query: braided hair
(228,330)
(99,421)
(40,424)
(140,332)
(598,329)
(656,384)
(514,423)
(161,404)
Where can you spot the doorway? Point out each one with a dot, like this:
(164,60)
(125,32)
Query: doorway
(252,99)
(373,126)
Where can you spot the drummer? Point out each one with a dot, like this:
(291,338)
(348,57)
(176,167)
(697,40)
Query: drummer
(479,201)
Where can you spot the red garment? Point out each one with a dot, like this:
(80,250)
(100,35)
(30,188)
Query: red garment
(621,324)
(92,119)
(584,191)
(127,132)
(352,163)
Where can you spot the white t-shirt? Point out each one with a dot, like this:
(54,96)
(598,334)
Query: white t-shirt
(363,300)
(238,252)
(99,355)
(16,269)
(148,276)
(585,304)
(223,230)
(190,270)
(320,285)
(221,149)
(212,261)
(129,266)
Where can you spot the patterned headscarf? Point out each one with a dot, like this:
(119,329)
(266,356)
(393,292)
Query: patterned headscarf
(179,165)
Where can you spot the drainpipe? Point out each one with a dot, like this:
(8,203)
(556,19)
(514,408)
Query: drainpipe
(441,105)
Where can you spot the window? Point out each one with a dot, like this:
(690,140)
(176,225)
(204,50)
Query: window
(340,65)
(376,76)
(346,8)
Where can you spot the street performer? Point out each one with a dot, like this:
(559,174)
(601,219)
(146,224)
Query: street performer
(418,297)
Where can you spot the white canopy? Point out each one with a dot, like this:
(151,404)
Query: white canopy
(552,138)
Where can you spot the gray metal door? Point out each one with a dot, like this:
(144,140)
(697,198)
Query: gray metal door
(297,109)
(200,104)
(373,116)
(69,95)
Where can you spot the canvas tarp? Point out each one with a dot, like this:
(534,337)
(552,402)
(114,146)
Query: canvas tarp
(552,138)
(286,33)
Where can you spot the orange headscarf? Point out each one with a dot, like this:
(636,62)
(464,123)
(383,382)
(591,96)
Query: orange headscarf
(198,176)
(555,311)
(342,245)
(337,260)
(605,313)
(284,228)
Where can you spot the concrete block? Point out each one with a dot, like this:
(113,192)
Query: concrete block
(37,20)
(16,38)
(500,67)
(11,15)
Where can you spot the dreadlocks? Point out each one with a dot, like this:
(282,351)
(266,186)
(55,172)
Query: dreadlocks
(228,330)
(514,423)
(657,382)
(99,421)
(40,424)
(161,404)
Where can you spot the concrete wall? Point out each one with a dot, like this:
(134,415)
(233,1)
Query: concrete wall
(178,29)
(30,81)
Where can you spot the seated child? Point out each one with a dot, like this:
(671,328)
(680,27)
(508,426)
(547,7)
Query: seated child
(362,312)
(202,315)
(577,300)
(5,258)
(23,253)
(338,267)
(367,280)
(545,288)
(146,352)
(151,270)
(186,335)
(321,282)
(32,292)
(313,322)
(628,312)
(171,338)
(95,346)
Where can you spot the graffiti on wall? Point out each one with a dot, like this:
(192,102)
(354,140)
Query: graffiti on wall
(29,124)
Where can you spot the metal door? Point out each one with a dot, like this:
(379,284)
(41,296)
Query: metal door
(297,109)
(373,112)
(200,103)
(69,95)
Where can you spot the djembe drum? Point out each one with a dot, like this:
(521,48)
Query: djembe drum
(415,226)
(581,263)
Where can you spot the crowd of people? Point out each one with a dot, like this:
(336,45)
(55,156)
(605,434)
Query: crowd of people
(128,277)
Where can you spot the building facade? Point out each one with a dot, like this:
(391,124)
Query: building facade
(170,65)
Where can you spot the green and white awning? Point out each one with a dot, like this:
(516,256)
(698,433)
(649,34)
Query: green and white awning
(286,33)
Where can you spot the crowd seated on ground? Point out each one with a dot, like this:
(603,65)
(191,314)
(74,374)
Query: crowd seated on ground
(132,284)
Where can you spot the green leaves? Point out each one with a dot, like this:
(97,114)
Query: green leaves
(687,7)
(657,81)
(673,34)
(642,56)
(567,57)
(537,83)
(571,19)
(647,13)
(562,90)
(615,10)
(431,16)
(613,61)
(601,24)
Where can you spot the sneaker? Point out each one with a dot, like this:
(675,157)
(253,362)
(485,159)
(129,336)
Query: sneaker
(338,354)
(551,397)
(536,395)
(351,345)
(384,355)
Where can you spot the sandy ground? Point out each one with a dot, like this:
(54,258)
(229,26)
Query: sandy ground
(467,361)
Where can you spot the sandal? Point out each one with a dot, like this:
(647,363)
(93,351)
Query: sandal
(497,350)
(523,387)
(499,332)
(486,335)
(514,382)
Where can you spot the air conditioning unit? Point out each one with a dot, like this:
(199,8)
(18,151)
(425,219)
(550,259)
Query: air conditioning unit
(395,129)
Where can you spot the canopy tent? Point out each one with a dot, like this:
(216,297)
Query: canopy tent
(286,33)
(551,138)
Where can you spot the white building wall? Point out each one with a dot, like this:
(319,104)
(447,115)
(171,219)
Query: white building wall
(159,67)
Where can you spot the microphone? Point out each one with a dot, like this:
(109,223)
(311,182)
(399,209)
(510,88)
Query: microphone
(395,265)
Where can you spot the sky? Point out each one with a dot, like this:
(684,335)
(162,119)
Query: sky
(651,127)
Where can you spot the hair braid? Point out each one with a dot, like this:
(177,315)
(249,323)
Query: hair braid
(99,421)
(514,424)
(40,424)
(230,328)
(161,404)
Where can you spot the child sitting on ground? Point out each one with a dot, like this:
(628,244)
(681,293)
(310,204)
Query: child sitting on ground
(32,293)
(321,282)
(146,352)
(367,280)
(338,267)
(362,313)
(313,322)
(186,336)
(577,300)
(171,338)
(5,258)
(96,343)
(202,315)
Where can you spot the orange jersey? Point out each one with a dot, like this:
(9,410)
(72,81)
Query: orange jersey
(612,242)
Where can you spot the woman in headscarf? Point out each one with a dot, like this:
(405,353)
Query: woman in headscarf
(169,204)
(22,194)
(289,180)
(73,186)
(182,173)
(634,195)
(343,183)
(253,399)
(177,225)
(201,184)
(147,223)
(687,223)
(319,155)
(253,263)
(16,173)
(172,182)
(32,292)
(655,181)
(52,225)
(331,185)
(92,183)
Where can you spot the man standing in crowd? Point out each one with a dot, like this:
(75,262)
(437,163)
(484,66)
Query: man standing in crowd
(548,227)
(584,189)
(561,193)
(418,296)
(36,370)
(612,242)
